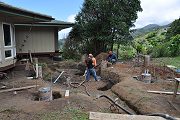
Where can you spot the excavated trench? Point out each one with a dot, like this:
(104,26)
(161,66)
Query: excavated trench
(112,79)
(107,86)
(108,77)
(37,96)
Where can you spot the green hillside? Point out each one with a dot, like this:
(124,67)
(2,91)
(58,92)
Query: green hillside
(149,28)
(147,42)
(161,42)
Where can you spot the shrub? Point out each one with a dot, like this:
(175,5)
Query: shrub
(126,52)
(161,51)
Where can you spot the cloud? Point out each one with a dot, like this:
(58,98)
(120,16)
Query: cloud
(71,18)
(65,32)
(158,12)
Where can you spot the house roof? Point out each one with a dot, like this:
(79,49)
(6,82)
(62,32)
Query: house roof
(15,14)
(53,23)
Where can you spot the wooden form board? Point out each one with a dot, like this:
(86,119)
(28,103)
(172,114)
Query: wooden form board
(21,88)
(111,116)
(163,92)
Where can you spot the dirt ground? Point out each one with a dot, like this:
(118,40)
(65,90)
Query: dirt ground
(116,82)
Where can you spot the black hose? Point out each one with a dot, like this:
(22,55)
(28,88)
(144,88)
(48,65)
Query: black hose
(80,84)
(121,107)
(166,116)
(86,90)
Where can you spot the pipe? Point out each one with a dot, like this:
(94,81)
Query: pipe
(58,77)
(121,107)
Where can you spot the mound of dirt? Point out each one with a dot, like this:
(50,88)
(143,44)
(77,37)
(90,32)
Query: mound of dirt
(100,57)
(135,94)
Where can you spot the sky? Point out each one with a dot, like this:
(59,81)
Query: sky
(159,12)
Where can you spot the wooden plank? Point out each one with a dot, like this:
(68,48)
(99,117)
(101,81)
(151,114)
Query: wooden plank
(21,88)
(111,116)
(163,92)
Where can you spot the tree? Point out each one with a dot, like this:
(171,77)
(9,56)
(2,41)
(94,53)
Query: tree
(173,38)
(101,23)
(174,44)
(174,29)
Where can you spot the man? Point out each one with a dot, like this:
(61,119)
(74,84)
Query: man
(111,57)
(93,59)
(90,64)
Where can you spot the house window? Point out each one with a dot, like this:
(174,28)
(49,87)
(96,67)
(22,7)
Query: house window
(8,53)
(7,35)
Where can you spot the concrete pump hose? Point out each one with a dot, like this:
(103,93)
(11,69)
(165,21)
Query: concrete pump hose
(121,107)
(78,85)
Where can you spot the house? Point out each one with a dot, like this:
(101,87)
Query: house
(23,31)
(40,38)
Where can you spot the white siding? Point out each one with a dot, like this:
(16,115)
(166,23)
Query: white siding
(38,39)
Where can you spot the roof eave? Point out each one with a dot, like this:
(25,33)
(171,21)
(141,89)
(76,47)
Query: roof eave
(8,9)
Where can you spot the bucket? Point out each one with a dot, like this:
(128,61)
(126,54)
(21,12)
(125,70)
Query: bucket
(146,77)
(44,93)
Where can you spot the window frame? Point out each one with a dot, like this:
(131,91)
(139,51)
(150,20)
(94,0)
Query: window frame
(10,47)
(5,53)
(11,36)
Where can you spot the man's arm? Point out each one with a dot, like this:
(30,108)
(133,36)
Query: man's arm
(94,62)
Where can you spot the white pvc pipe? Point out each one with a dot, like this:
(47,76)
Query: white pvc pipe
(37,72)
(58,77)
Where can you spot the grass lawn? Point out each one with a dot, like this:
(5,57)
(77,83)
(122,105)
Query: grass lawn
(175,61)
